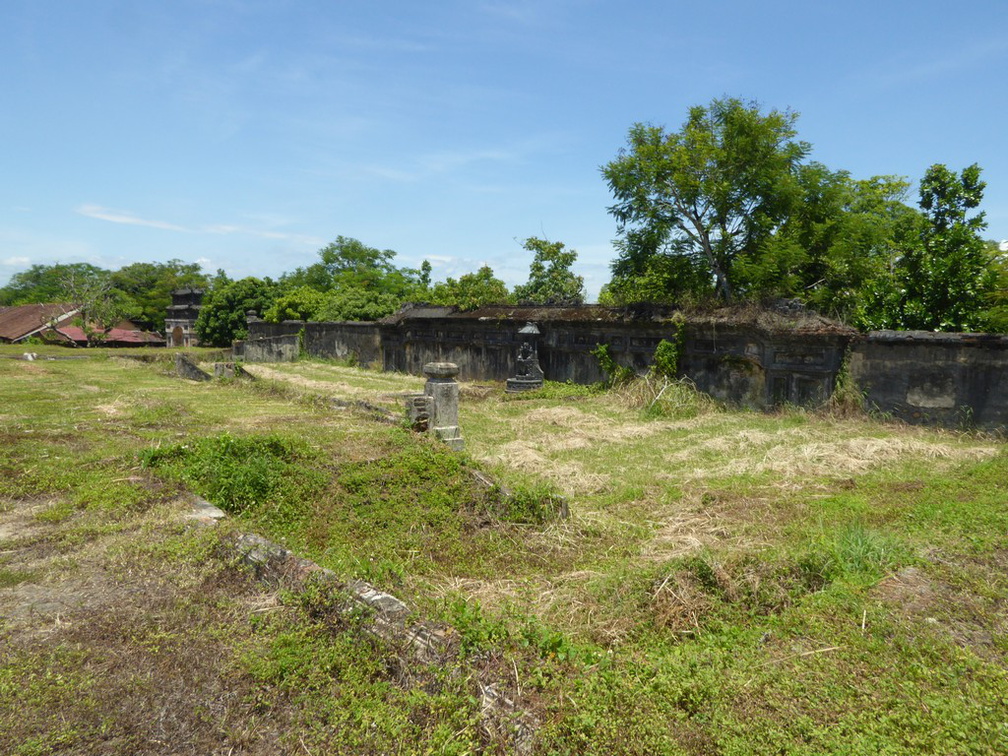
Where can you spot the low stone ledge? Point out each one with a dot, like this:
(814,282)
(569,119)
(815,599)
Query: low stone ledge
(503,722)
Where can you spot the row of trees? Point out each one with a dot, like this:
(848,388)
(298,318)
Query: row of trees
(140,292)
(352,281)
(727,208)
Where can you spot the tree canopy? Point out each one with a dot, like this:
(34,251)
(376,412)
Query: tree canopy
(471,290)
(711,192)
(149,287)
(727,208)
(551,280)
(948,277)
(222,318)
(46,283)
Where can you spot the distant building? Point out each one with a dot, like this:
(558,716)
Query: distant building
(21,322)
(124,334)
(181,319)
(55,324)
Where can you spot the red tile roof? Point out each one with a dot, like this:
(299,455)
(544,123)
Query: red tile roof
(20,322)
(114,336)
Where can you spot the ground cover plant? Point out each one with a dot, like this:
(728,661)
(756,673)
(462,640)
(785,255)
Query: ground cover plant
(726,582)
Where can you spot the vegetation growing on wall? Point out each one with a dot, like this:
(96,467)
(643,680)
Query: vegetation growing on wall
(615,373)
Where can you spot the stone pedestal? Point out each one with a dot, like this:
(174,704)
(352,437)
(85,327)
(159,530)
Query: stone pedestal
(443,391)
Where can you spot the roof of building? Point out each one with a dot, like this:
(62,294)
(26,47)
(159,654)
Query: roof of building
(118,336)
(23,321)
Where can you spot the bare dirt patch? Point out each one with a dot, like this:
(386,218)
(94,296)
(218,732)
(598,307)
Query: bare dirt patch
(115,655)
(945,609)
(17,520)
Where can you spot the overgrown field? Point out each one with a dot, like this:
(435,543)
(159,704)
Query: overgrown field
(725,582)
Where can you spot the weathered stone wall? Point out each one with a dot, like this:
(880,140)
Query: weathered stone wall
(358,342)
(260,329)
(284,348)
(948,379)
(741,364)
(271,342)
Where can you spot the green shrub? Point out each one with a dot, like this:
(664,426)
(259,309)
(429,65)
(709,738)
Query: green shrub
(616,374)
(238,473)
(534,505)
(668,353)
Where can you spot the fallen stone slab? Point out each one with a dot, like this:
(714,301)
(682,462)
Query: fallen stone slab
(503,721)
(204,512)
(186,368)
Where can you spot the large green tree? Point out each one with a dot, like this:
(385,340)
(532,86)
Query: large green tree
(712,192)
(101,304)
(997,313)
(839,245)
(358,304)
(947,279)
(302,303)
(222,318)
(471,290)
(47,283)
(551,280)
(348,263)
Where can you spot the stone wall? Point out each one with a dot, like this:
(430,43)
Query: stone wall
(948,379)
(285,348)
(357,342)
(753,360)
(745,363)
(271,342)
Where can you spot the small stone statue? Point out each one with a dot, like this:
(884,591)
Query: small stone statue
(528,374)
(526,360)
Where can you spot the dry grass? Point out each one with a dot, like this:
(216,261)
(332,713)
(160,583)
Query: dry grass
(802,454)
(680,533)
(572,477)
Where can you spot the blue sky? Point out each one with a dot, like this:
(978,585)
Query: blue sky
(247,134)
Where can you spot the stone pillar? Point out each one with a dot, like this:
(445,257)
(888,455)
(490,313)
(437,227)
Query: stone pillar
(443,390)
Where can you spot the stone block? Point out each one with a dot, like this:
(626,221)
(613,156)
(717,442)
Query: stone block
(186,368)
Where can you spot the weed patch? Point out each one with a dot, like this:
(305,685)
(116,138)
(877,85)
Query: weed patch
(240,474)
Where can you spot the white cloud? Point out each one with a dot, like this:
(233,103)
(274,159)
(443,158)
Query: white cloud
(520,12)
(125,217)
(17,262)
(118,216)
(387,45)
(974,55)
(440,162)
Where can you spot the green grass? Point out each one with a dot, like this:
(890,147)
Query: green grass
(727,582)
